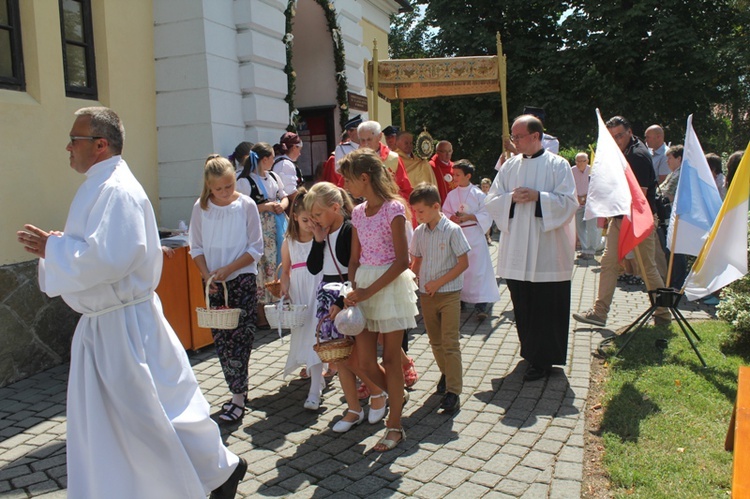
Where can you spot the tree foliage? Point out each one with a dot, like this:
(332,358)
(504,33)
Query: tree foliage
(653,61)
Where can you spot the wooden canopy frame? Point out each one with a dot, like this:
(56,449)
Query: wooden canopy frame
(404,79)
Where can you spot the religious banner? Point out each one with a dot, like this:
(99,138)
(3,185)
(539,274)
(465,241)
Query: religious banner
(442,77)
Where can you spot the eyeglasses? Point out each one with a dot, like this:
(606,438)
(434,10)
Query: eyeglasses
(515,138)
(73,138)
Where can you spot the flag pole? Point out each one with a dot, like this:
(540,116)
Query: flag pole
(640,264)
(671,253)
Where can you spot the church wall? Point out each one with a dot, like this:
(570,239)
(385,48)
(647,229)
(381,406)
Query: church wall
(38,183)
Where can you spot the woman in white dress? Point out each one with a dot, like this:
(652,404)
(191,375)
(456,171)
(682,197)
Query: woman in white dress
(267,190)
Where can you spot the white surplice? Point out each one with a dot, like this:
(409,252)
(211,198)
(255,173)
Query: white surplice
(138,424)
(480,285)
(535,249)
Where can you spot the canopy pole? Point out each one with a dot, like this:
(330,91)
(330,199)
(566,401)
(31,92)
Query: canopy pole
(401,111)
(374,80)
(501,81)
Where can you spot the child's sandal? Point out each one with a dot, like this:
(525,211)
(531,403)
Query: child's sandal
(410,373)
(388,443)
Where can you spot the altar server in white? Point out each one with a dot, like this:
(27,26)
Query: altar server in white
(532,200)
(464,206)
(138,425)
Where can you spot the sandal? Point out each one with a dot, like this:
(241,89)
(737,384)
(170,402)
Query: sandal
(234,414)
(635,281)
(303,373)
(624,277)
(388,443)
(226,405)
(363,393)
(410,373)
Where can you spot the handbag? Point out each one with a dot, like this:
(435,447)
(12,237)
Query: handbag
(663,208)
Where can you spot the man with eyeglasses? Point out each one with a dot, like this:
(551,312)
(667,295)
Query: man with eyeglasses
(639,159)
(533,200)
(138,424)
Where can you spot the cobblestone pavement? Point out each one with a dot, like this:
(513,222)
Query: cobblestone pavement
(510,438)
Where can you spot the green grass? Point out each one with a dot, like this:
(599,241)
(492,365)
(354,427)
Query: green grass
(666,416)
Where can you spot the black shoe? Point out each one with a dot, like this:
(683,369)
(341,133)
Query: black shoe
(450,402)
(441,385)
(534,373)
(229,488)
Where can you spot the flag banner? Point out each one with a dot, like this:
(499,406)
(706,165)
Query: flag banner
(609,195)
(614,191)
(697,200)
(723,258)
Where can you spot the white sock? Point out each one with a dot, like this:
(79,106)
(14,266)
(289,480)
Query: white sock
(316,381)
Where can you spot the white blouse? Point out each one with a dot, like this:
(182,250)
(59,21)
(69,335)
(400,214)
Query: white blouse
(222,234)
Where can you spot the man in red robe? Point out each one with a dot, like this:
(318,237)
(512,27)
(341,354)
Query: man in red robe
(442,166)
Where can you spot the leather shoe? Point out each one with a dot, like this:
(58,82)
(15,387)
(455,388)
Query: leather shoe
(376,415)
(229,488)
(450,402)
(342,426)
(441,385)
(534,373)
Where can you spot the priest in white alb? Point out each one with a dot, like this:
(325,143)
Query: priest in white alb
(533,200)
(137,422)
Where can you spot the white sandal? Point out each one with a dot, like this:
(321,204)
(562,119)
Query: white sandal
(376,415)
(388,443)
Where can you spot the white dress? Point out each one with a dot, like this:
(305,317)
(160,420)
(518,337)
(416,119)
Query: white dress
(303,289)
(138,424)
(480,285)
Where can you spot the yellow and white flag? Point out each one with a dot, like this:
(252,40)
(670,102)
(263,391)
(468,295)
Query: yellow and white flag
(723,258)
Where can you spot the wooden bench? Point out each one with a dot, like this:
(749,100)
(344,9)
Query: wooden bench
(738,437)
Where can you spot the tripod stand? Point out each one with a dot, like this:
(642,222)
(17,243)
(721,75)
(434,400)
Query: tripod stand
(668,298)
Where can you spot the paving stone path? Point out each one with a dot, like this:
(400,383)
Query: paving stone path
(510,439)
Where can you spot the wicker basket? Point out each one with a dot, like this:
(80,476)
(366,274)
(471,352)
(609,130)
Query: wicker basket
(285,315)
(274,287)
(333,350)
(223,318)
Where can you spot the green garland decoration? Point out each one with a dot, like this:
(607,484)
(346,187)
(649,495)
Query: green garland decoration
(339,60)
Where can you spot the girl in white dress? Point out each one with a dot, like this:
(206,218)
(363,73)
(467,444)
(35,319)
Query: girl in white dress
(300,286)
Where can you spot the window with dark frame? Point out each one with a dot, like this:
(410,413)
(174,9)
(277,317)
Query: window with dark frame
(78,48)
(11,53)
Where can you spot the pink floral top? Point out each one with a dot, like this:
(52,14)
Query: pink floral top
(374,232)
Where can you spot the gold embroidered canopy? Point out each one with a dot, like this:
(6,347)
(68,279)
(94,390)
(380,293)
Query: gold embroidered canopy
(404,79)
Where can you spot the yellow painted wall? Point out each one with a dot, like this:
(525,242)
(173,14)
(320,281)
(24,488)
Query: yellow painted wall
(37,182)
(371,32)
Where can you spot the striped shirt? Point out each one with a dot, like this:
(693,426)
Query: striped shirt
(439,249)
